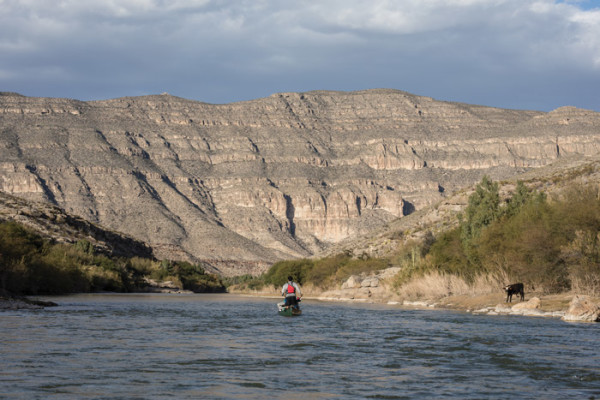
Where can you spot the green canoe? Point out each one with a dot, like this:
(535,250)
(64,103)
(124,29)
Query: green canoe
(288,311)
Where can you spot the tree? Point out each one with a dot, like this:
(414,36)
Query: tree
(519,198)
(482,210)
(447,254)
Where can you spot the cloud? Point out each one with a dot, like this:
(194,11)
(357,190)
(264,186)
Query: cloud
(510,53)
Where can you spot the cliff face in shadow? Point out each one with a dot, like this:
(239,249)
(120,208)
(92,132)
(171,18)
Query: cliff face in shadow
(241,185)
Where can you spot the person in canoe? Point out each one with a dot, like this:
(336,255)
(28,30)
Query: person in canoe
(292,293)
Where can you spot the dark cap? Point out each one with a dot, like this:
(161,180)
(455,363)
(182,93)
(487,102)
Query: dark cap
(290,278)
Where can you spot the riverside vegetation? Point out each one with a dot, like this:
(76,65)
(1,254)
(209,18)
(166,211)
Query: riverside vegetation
(31,265)
(551,243)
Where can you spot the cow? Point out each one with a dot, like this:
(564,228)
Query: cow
(515,288)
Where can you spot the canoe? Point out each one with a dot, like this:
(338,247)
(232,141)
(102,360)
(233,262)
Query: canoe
(288,311)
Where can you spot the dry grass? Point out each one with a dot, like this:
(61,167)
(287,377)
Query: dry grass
(588,284)
(437,285)
(263,291)
(486,291)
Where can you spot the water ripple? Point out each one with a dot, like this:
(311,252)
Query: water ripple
(230,347)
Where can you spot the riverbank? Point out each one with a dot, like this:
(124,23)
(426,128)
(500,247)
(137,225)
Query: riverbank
(568,306)
(22,303)
(535,304)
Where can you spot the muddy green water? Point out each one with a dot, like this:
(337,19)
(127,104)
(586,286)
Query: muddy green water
(110,346)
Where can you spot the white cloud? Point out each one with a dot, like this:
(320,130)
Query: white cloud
(377,42)
(587,39)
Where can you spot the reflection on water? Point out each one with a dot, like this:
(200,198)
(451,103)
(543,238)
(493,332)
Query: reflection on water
(152,346)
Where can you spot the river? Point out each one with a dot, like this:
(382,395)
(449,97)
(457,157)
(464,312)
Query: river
(153,346)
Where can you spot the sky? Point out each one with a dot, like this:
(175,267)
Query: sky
(518,54)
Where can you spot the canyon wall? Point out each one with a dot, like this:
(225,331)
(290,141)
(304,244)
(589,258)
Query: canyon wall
(239,186)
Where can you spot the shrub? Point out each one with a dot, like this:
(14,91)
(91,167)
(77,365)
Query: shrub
(246,281)
(85,246)
(194,277)
(324,270)
(549,245)
(360,266)
(278,273)
(483,209)
(102,279)
(447,254)
(30,264)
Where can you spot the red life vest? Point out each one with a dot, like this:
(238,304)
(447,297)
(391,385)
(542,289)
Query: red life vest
(291,289)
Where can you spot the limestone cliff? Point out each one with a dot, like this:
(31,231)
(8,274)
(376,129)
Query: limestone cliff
(241,185)
(388,239)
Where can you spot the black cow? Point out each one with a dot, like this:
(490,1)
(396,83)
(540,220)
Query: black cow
(515,288)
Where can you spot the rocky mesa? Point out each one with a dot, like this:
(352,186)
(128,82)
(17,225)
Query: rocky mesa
(239,186)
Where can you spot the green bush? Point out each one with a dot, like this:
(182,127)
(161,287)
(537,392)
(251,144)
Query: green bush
(409,258)
(30,264)
(447,254)
(85,246)
(194,277)
(548,245)
(191,276)
(527,247)
(278,273)
(323,272)
(359,266)
(482,210)
(246,281)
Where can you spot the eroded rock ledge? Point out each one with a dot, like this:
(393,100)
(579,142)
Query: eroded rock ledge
(583,309)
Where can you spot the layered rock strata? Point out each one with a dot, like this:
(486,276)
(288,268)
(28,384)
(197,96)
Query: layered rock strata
(238,186)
